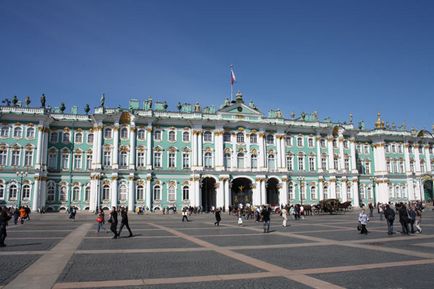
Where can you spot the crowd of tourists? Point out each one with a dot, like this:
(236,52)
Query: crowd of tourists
(19,215)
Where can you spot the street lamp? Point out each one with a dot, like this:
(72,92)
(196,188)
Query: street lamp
(373,190)
(21,175)
(301,180)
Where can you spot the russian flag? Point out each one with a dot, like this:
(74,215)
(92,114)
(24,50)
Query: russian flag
(233,78)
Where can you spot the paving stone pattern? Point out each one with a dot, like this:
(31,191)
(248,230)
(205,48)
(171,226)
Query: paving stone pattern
(324,251)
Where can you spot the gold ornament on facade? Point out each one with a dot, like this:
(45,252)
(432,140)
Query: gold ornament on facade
(114,178)
(125,118)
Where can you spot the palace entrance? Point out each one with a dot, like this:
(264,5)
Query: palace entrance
(241,191)
(208,194)
(272,192)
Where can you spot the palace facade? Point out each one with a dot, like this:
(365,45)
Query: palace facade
(151,157)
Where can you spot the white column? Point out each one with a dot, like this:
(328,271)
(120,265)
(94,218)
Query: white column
(332,189)
(353,155)
(247,155)
(355,188)
(261,156)
(198,194)
(44,149)
(93,194)
(407,159)
(234,152)
(341,152)
(278,152)
(427,159)
(200,149)
(132,164)
(283,192)
(227,192)
(149,149)
(380,159)
(194,149)
(320,189)
(344,190)
(331,167)
(97,148)
(114,191)
(36,194)
(39,149)
(417,158)
(263,192)
(131,193)
(43,193)
(256,198)
(115,146)
(318,153)
(148,191)
(220,203)
(218,139)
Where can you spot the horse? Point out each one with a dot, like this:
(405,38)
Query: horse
(307,210)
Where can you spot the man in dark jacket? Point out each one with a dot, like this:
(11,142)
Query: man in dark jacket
(403,219)
(389,214)
(4,218)
(124,222)
(113,220)
(266,219)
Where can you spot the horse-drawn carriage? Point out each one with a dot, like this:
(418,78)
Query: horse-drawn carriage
(331,206)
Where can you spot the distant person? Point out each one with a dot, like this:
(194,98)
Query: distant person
(418,220)
(4,218)
(218,217)
(124,222)
(266,219)
(100,220)
(185,215)
(114,222)
(389,215)
(403,219)
(284,214)
(363,220)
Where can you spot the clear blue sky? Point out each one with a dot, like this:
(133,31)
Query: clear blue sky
(334,57)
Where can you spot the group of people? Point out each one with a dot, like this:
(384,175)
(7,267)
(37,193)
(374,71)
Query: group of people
(113,221)
(19,215)
(410,217)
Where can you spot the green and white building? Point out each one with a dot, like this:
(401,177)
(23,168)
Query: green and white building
(151,157)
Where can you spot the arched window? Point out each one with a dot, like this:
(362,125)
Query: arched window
(76,194)
(157,135)
(157,193)
(4,131)
(240,161)
(65,138)
(185,193)
(270,139)
(13,192)
(299,141)
(271,162)
(171,196)
(122,192)
(26,192)
(227,160)
(124,133)
(78,137)
(172,135)
(63,193)
(87,194)
(108,133)
(253,138)
(30,132)
(313,193)
(18,132)
(106,192)
(185,136)
(51,192)
(139,194)
(141,134)
(207,136)
(208,160)
(240,137)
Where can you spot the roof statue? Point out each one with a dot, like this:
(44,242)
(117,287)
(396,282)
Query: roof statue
(379,124)
(102,100)
(43,100)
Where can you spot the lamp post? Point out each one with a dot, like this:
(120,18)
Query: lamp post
(301,180)
(21,175)
(373,190)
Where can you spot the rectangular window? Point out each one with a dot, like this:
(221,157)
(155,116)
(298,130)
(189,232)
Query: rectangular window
(77,162)
(28,158)
(289,163)
(4,132)
(3,158)
(52,161)
(172,160)
(300,141)
(254,162)
(53,137)
(107,159)
(336,163)
(310,142)
(185,161)
(157,160)
(157,135)
(311,164)
(324,163)
(15,158)
(65,161)
(89,161)
(300,163)
(347,163)
(322,143)
(140,159)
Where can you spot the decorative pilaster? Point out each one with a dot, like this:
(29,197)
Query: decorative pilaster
(114,190)
(218,139)
(131,194)
(355,188)
(149,149)
(115,151)
(148,191)
(318,153)
(331,162)
(283,192)
(132,164)
(261,156)
(353,155)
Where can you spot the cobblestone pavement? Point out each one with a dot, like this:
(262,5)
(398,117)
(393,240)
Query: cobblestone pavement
(323,251)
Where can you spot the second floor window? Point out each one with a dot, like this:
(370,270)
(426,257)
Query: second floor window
(107,159)
(172,160)
(15,158)
(208,160)
(253,138)
(157,160)
(289,163)
(185,160)
(28,158)
(77,162)
(140,159)
(254,161)
(123,162)
(2,157)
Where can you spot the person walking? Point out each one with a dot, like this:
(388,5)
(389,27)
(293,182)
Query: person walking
(266,219)
(16,215)
(124,222)
(100,220)
(184,215)
(284,214)
(389,215)
(218,217)
(4,218)
(403,218)
(363,220)
(23,215)
(371,210)
(114,222)
(412,217)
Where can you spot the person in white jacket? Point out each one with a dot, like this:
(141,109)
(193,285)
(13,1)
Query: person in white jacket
(363,220)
